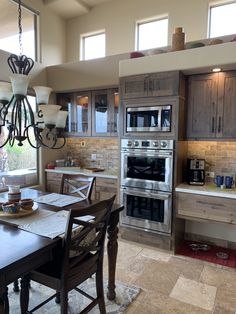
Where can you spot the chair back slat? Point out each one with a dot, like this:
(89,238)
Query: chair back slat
(77,185)
(85,239)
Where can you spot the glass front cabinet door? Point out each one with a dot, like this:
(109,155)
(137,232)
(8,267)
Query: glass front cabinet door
(105,104)
(82,113)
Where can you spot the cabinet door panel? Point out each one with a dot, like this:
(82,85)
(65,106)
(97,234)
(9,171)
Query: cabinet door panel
(134,86)
(82,113)
(66,100)
(101,124)
(202,106)
(163,84)
(226,127)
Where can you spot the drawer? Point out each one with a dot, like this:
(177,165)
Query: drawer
(106,182)
(53,176)
(205,207)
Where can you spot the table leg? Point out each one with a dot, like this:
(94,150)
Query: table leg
(4,302)
(112,249)
(24,294)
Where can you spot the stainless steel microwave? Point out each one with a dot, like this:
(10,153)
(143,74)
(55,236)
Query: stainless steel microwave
(148,119)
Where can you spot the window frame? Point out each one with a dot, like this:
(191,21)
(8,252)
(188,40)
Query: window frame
(35,16)
(82,43)
(146,21)
(215,5)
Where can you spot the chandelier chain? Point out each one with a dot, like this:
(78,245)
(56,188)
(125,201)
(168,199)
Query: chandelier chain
(20,27)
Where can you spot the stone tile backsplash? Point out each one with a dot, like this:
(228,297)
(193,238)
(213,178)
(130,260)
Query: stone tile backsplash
(220,156)
(106,150)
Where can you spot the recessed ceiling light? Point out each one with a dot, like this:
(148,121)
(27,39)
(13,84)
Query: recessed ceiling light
(216,70)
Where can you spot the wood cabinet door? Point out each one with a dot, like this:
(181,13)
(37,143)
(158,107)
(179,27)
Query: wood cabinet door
(78,106)
(100,113)
(163,84)
(134,86)
(53,182)
(66,100)
(202,106)
(226,126)
(114,105)
(82,113)
(105,109)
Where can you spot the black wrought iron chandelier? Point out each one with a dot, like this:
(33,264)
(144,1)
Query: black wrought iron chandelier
(18,121)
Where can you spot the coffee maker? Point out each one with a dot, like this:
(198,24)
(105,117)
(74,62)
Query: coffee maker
(196,171)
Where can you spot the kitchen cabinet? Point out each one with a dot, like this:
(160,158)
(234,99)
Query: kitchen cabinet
(105,105)
(91,113)
(155,84)
(205,208)
(212,106)
(53,182)
(105,188)
(79,109)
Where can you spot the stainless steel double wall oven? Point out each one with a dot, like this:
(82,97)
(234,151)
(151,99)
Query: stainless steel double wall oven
(146,183)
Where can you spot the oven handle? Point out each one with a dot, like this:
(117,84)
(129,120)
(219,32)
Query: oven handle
(157,195)
(148,153)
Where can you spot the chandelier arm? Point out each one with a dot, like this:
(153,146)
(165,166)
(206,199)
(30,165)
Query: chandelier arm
(28,65)
(7,139)
(63,144)
(12,62)
(29,140)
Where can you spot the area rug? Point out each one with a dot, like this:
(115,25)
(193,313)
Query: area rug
(210,255)
(125,294)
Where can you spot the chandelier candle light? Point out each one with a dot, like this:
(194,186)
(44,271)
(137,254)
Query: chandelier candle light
(42,127)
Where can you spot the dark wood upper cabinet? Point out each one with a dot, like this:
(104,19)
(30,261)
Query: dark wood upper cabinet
(211,110)
(156,84)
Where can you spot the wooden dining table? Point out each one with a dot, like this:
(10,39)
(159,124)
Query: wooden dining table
(22,251)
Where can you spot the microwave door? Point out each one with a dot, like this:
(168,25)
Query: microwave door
(143,119)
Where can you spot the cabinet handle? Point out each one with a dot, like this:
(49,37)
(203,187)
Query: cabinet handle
(210,204)
(213,125)
(219,125)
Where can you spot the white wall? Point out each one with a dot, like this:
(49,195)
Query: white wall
(118,18)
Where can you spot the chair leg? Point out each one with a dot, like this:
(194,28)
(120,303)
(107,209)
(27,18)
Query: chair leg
(64,301)
(16,286)
(100,292)
(58,298)
(24,294)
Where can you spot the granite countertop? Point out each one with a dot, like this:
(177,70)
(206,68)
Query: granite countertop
(209,189)
(76,170)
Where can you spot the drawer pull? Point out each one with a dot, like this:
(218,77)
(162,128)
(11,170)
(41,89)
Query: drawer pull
(209,204)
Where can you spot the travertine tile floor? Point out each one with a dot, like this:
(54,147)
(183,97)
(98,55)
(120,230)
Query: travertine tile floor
(174,284)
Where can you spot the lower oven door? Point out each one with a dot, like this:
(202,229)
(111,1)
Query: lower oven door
(147,210)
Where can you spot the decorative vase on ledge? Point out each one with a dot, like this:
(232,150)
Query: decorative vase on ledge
(178,39)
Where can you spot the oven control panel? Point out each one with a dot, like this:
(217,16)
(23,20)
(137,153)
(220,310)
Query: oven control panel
(146,144)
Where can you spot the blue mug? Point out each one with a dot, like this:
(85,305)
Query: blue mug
(219,180)
(229,181)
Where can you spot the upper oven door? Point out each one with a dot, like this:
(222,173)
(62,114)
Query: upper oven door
(147,169)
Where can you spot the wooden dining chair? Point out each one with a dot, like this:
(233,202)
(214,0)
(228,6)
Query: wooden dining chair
(77,185)
(79,259)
